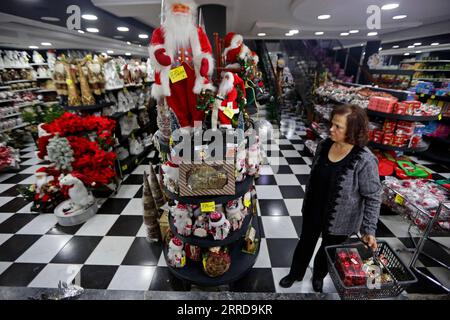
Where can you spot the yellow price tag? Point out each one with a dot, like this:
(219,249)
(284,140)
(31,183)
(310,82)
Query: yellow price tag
(124,167)
(171,141)
(204,263)
(125,90)
(433,97)
(247,203)
(208,206)
(177,74)
(69,82)
(399,199)
(422,95)
(440,117)
(183,261)
(229,112)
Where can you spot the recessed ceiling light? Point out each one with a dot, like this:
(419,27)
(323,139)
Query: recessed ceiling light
(380,48)
(80,31)
(318,33)
(118,37)
(390,6)
(418,43)
(143,36)
(46,44)
(93,30)
(372,34)
(129,43)
(418,51)
(395,47)
(89,17)
(110,51)
(435,44)
(33,47)
(353,31)
(294,31)
(123,29)
(262,34)
(127,54)
(406,54)
(400,16)
(50,18)
(140,46)
(344,33)
(409,47)
(324,17)
(288,34)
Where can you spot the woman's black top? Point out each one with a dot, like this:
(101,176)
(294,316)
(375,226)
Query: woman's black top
(322,184)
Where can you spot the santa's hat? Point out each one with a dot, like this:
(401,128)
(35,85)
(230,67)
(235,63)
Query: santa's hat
(216,219)
(231,39)
(41,171)
(190,3)
(176,243)
(238,82)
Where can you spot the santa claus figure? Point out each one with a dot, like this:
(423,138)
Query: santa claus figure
(42,178)
(228,94)
(235,50)
(182,57)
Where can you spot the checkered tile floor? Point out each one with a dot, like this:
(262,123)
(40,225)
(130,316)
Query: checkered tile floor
(110,251)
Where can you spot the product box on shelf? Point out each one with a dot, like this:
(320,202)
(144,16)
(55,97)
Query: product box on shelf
(350,267)
(389,126)
(382,104)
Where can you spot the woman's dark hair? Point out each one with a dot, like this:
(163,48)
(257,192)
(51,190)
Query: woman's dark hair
(357,124)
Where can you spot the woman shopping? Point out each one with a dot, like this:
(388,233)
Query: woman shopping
(343,195)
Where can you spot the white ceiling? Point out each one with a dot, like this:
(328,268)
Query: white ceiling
(276,17)
(18,32)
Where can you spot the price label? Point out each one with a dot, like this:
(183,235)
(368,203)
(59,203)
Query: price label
(247,203)
(440,117)
(124,167)
(399,199)
(208,206)
(433,97)
(229,112)
(204,263)
(171,141)
(69,82)
(422,95)
(183,261)
(177,74)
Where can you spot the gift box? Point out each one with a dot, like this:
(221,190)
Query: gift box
(400,140)
(350,267)
(389,126)
(388,138)
(378,136)
(382,104)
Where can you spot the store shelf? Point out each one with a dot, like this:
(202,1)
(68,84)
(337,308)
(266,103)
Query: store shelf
(427,61)
(401,117)
(18,81)
(392,71)
(11,115)
(241,189)
(136,132)
(434,97)
(7,101)
(16,127)
(375,145)
(27,89)
(48,103)
(26,104)
(89,108)
(241,263)
(38,64)
(46,90)
(433,80)
(431,70)
(5,87)
(16,67)
(208,242)
(43,78)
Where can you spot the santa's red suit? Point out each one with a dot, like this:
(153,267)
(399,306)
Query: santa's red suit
(228,91)
(180,42)
(235,50)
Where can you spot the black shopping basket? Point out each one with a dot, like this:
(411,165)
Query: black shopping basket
(399,272)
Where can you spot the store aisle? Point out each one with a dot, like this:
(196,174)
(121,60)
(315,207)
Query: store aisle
(110,250)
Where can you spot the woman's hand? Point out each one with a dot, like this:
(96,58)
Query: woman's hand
(370,241)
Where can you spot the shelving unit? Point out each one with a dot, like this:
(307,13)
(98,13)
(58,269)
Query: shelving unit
(401,117)
(16,127)
(421,148)
(16,67)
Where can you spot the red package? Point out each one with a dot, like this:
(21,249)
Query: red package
(378,136)
(388,138)
(400,140)
(193,252)
(415,141)
(349,266)
(389,126)
(400,108)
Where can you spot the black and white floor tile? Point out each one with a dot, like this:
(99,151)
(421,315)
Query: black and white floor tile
(110,251)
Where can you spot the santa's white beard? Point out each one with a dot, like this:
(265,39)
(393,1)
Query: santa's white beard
(180,27)
(225,86)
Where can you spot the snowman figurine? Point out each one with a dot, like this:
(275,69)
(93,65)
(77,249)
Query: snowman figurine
(234,214)
(219,226)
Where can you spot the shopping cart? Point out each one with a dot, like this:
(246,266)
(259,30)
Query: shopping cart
(402,276)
